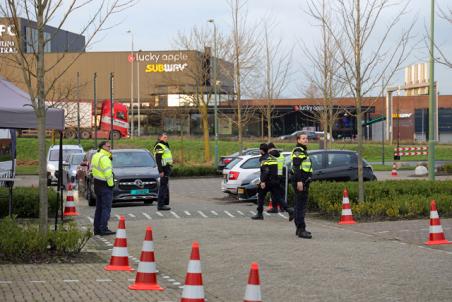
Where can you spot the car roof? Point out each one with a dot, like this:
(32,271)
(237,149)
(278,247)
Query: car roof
(66,147)
(129,150)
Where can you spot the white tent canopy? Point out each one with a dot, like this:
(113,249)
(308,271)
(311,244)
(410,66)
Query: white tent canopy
(16,111)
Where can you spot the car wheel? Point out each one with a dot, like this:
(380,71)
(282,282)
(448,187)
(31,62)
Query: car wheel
(90,197)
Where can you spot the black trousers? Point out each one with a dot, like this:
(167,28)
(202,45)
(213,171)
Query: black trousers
(300,201)
(163,197)
(281,191)
(276,194)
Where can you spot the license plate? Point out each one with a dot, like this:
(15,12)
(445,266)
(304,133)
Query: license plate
(240,190)
(139,192)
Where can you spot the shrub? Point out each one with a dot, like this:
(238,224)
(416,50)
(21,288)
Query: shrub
(184,171)
(25,202)
(24,242)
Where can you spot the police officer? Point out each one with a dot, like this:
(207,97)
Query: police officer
(302,171)
(164,159)
(102,172)
(281,189)
(269,182)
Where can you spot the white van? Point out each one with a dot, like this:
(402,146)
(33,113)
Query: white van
(53,158)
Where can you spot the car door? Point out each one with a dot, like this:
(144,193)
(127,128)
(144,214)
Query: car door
(318,164)
(340,166)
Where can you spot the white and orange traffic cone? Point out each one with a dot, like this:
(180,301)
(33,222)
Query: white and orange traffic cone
(394,170)
(119,260)
(436,235)
(346,215)
(69,208)
(193,289)
(253,288)
(146,278)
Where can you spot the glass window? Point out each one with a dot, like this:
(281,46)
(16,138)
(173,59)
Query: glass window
(252,163)
(76,159)
(233,163)
(32,40)
(316,160)
(339,159)
(54,154)
(120,115)
(132,159)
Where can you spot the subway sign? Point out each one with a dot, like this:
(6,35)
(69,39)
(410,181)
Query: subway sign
(165,67)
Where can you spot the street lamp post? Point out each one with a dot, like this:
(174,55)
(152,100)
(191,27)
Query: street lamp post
(215,88)
(131,59)
(432,105)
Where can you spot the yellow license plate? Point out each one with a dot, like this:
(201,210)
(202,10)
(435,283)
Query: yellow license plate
(240,190)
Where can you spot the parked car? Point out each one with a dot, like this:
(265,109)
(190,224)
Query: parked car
(328,165)
(136,177)
(83,176)
(245,169)
(70,167)
(53,159)
(224,160)
(312,135)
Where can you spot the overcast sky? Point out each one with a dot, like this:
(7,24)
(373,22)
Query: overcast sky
(155,25)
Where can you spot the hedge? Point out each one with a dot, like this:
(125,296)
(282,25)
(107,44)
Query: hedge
(384,200)
(25,202)
(184,171)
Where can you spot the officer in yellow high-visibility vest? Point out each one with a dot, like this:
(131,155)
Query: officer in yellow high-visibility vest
(164,159)
(281,177)
(302,172)
(102,172)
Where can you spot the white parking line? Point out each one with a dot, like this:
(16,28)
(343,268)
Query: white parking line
(103,280)
(229,214)
(176,283)
(70,281)
(160,214)
(6,282)
(175,214)
(253,213)
(214,213)
(241,213)
(37,281)
(283,216)
(268,214)
(90,219)
(202,214)
(147,216)
(382,232)
(131,215)
(187,213)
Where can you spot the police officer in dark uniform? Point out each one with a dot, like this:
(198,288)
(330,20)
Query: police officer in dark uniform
(164,159)
(302,171)
(281,189)
(269,182)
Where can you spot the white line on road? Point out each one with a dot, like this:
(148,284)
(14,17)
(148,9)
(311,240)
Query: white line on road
(253,213)
(160,214)
(90,219)
(268,214)
(147,216)
(131,280)
(214,213)
(6,282)
(176,283)
(187,213)
(171,280)
(382,232)
(175,214)
(283,216)
(70,281)
(131,215)
(103,280)
(229,214)
(37,281)
(202,214)
(166,277)
(241,213)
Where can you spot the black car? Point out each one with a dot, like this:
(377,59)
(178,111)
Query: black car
(136,177)
(328,165)
(225,160)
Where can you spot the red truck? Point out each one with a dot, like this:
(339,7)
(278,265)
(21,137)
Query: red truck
(88,119)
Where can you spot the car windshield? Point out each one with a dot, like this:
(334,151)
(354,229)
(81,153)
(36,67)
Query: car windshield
(76,159)
(233,163)
(252,163)
(54,154)
(132,159)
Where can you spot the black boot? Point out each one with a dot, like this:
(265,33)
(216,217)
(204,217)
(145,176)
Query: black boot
(258,216)
(273,210)
(304,234)
(291,213)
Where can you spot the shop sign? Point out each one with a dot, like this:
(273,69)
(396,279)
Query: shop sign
(7,46)
(165,67)
(309,108)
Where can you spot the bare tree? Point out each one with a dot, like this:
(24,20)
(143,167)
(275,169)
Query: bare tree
(244,55)
(37,74)
(276,70)
(446,14)
(324,71)
(369,56)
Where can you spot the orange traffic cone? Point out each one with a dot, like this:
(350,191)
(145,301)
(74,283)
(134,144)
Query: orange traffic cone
(69,208)
(253,289)
(193,288)
(437,235)
(394,170)
(119,260)
(146,278)
(346,215)
(270,206)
